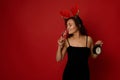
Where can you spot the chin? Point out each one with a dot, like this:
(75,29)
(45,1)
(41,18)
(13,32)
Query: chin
(70,33)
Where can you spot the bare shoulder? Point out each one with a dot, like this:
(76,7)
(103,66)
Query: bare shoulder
(90,39)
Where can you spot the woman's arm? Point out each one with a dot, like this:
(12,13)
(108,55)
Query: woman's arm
(91,47)
(62,47)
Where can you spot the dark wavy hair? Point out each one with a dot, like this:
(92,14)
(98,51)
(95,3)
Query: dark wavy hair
(79,24)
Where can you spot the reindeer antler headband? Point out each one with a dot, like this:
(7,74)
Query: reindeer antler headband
(66,14)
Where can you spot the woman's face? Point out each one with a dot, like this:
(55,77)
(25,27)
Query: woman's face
(71,27)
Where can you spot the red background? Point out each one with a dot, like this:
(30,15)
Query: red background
(30,30)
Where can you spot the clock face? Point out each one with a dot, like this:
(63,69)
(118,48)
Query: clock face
(98,50)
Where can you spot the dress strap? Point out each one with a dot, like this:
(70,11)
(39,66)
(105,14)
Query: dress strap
(86,40)
(68,42)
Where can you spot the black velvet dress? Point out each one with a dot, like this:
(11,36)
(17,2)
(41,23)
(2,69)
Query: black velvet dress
(77,64)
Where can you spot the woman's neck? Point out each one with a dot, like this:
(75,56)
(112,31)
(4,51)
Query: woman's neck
(76,35)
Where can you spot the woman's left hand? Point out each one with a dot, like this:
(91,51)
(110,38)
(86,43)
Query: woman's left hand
(99,42)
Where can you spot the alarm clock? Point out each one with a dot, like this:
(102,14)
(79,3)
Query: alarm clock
(97,49)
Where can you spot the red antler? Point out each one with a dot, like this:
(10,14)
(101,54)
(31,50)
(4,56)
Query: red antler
(65,14)
(75,10)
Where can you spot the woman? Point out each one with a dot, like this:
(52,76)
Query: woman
(79,47)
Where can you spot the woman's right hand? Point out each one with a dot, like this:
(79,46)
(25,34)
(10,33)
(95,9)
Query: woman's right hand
(61,42)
